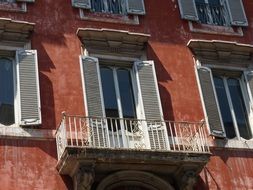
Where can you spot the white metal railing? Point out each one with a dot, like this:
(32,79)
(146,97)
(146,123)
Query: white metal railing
(78,131)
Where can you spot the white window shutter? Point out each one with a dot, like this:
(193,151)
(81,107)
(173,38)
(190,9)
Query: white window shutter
(84,4)
(237,13)
(93,98)
(188,10)
(28,87)
(92,86)
(211,103)
(150,98)
(136,7)
(248,75)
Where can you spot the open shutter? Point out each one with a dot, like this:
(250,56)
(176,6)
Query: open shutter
(136,7)
(28,87)
(188,10)
(94,101)
(84,4)
(237,13)
(148,89)
(210,101)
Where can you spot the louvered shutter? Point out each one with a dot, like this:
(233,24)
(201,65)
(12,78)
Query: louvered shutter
(210,101)
(148,89)
(28,87)
(188,10)
(237,13)
(84,4)
(93,101)
(136,7)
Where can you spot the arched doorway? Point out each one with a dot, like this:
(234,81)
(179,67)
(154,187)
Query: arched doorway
(133,180)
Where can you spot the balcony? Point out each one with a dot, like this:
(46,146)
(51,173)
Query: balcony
(213,14)
(114,144)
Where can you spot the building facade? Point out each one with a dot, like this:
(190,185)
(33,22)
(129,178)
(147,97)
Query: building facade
(126,94)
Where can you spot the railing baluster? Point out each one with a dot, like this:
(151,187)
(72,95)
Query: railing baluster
(70,132)
(76,139)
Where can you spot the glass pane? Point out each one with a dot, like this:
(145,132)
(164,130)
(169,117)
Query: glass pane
(108,86)
(214,2)
(224,107)
(6,92)
(239,108)
(126,93)
(109,6)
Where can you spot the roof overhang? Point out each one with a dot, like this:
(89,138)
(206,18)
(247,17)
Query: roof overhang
(13,30)
(112,40)
(222,52)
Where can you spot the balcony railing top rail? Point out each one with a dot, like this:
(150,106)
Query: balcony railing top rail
(122,133)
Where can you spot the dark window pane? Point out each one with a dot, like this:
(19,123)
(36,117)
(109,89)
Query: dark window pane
(224,107)
(126,93)
(109,6)
(6,92)
(214,2)
(239,108)
(108,86)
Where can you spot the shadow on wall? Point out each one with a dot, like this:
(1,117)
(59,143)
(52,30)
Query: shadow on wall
(162,76)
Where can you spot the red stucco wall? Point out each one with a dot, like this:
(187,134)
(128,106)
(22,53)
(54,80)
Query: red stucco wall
(30,164)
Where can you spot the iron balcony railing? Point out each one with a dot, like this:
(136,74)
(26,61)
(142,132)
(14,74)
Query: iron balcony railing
(78,131)
(213,14)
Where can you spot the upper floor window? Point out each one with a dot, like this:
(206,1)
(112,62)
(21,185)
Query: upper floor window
(14,5)
(214,12)
(109,6)
(225,82)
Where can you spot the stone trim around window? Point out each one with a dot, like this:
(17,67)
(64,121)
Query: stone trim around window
(107,17)
(214,29)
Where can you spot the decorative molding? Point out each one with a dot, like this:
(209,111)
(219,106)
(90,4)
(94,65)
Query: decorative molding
(113,42)
(13,30)
(134,178)
(226,53)
(84,177)
(19,132)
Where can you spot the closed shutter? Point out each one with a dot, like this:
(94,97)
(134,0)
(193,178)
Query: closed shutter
(148,89)
(93,101)
(210,101)
(136,7)
(188,10)
(237,13)
(28,87)
(249,84)
(85,4)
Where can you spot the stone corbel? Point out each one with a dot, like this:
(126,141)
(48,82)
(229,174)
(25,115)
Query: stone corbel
(84,178)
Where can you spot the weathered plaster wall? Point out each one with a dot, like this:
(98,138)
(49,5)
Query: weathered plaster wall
(27,164)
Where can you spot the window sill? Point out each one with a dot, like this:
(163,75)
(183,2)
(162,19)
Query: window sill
(232,143)
(13,7)
(107,17)
(212,29)
(15,131)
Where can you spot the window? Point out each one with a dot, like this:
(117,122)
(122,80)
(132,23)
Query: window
(225,82)
(19,91)
(214,12)
(120,90)
(226,99)
(114,11)
(109,6)
(112,6)
(14,5)
(6,91)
